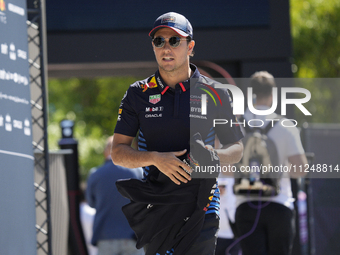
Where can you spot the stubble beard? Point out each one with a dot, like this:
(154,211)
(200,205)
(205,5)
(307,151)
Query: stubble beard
(172,71)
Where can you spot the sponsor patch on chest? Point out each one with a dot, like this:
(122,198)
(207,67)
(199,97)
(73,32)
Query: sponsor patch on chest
(154,99)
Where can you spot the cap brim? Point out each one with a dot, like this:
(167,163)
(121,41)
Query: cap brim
(178,31)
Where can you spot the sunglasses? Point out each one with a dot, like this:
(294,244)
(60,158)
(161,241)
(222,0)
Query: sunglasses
(174,41)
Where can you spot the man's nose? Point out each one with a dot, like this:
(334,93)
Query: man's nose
(167,45)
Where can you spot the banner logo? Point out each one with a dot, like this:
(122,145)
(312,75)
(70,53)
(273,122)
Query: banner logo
(2,5)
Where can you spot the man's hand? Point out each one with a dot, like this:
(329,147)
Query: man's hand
(167,162)
(171,166)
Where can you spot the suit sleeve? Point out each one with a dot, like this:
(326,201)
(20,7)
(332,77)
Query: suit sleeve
(90,199)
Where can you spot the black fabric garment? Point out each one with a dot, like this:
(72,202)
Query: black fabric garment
(274,232)
(205,243)
(164,215)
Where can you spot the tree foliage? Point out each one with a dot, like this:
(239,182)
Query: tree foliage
(93,106)
(316,38)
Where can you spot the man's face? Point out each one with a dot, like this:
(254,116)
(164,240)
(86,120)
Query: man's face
(171,59)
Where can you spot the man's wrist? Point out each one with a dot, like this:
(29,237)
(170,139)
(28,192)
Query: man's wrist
(152,157)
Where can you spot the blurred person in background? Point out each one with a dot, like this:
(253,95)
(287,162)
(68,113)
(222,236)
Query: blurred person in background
(268,222)
(87,214)
(227,213)
(111,231)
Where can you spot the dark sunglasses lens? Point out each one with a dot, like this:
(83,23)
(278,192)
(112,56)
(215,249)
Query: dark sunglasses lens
(159,42)
(174,41)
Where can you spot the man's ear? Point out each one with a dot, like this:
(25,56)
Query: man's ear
(191,45)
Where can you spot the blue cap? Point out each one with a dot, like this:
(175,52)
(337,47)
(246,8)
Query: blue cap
(175,21)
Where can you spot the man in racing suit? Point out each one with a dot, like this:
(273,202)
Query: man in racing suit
(171,212)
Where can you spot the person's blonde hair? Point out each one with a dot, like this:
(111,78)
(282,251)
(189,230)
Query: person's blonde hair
(262,83)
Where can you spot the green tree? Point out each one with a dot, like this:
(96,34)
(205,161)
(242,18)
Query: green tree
(93,105)
(316,39)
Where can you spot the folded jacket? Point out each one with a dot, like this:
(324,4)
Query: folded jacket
(164,215)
